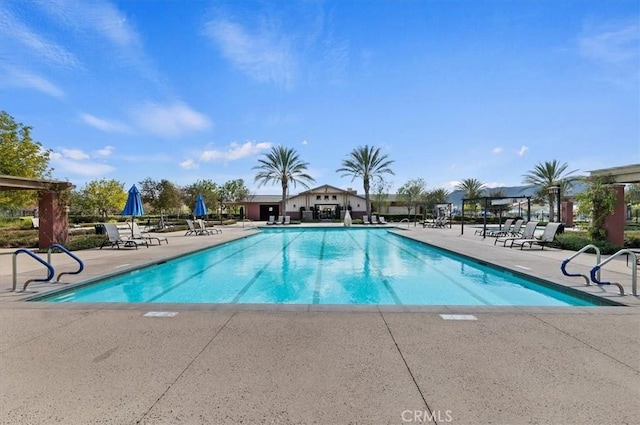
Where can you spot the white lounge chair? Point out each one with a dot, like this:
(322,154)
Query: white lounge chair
(193,230)
(114,238)
(374,219)
(272,220)
(287,220)
(207,230)
(527,233)
(381,220)
(547,237)
(365,219)
(280,220)
(139,234)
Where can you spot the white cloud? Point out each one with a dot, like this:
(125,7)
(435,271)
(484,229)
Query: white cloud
(264,55)
(496,150)
(235,151)
(21,78)
(304,142)
(189,164)
(106,151)
(83,168)
(49,52)
(522,150)
(102,124)
(74,154)
(170,120)
(612,45)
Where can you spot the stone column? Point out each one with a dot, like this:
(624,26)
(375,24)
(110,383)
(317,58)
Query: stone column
(614,224)
(566,208)
(54,226)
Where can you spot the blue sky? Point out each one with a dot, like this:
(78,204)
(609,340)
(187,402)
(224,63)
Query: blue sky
(188,90)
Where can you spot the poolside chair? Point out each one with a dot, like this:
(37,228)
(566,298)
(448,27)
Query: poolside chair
(440,221)
(193,230)
(35,223)
(272,220)
(491,229)
(374,219)
(365,219)
(207,230)
(527,233)
(139,234)
(381,220)
(504,231)
(115,239)
(547,237)
(287,219)
(280,220)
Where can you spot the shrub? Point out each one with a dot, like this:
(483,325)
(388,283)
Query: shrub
(632,239)
(80,242)
(575,241)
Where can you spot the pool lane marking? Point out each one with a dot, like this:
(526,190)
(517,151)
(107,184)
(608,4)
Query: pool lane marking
(316,292)
(383,279)
(201,271)
(257,275)
(401,248)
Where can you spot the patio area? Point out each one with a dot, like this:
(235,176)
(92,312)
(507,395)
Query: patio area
(199,364)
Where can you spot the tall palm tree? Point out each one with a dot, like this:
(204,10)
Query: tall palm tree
(282,165)
(472,188)
(548,174)
(366,162)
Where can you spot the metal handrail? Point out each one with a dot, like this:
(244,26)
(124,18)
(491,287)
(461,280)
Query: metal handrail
(563,267)
(402,221)
(66,251)
(40,260)
(634,271)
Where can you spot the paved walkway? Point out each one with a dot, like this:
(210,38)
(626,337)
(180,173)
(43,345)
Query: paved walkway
(102,363)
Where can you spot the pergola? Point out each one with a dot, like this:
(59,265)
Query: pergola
(620,176)
(53,226)
(486,200)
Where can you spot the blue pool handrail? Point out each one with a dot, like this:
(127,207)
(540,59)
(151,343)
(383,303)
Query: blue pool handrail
(50,270)
(595,277)
(563,267)
(66,251)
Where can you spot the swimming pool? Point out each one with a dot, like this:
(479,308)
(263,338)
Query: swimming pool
(321,266)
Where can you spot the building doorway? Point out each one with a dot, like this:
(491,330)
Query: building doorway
(267,211)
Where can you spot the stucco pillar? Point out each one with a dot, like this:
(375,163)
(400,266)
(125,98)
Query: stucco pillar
(54,226)
(614,224)
(566,211)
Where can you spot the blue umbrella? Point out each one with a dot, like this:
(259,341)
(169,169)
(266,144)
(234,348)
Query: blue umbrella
(201,208)
(133,207)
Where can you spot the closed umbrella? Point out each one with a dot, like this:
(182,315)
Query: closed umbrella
(201,208)
(133,207)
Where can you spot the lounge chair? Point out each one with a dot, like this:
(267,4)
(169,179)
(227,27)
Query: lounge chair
(139,234)
(494,233)
(381,220)
(287,219)
(35,223)
(272,220)
(115,239)
(511,231)
(193,230)
(440,221)
(547,237)
(280,219)
(365,219)
(527,233)
(374,219)
(207,230)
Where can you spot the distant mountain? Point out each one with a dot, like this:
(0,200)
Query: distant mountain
(512,192)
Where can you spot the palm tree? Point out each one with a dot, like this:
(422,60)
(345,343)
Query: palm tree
(472,188)
(282,165)
(366,162)
(548,174)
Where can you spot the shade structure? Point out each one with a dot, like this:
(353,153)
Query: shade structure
(201,208)
(133,207)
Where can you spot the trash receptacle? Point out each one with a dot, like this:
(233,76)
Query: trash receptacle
(100,230)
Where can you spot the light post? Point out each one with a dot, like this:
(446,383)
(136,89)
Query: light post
(555,190)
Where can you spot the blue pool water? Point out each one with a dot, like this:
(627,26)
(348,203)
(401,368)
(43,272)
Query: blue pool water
(321,266)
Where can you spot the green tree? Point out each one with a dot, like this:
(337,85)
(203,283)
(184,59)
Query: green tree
(207,188)
(598,202)
(472,188)
(232,193)
(162,195)
(104,197)
(381,193)
(412,194)
(544,176)
(366,162)
(435,197)
(282,165)
(20,156)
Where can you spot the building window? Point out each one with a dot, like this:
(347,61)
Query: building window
(326,197)
(334,197)
(318,197)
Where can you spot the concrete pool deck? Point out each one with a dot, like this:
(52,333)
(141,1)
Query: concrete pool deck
(109,363)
